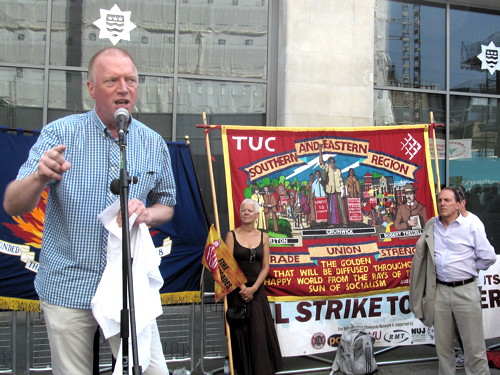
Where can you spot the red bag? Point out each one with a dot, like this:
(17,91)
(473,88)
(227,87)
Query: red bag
(493,358)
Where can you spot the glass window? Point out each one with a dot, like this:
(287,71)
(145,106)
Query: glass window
(476,120)
(470,137)
(147,24)
(470,33)
(406,107)
(21,97)
(225,103)
(23,29)
(68,94)
(225,38)
(473,151)
(154,104)
(223,41)
(221,97)
(409,45)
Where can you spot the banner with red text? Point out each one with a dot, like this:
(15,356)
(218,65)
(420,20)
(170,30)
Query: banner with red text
(313,327)
(222,265)
(343,207)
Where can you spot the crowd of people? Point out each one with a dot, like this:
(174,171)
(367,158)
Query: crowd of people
(79,155)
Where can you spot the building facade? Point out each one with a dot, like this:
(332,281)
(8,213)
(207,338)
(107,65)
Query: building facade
(309,63)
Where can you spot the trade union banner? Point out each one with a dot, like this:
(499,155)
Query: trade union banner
(342,230)
(343,207)
(313,327)
(180,246)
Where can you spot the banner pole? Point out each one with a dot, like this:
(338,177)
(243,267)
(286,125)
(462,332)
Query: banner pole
(436,160)
(217,227)
(188,143)
(211,171)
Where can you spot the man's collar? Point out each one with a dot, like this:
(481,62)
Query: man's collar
(459,219)
(101,126)
(97,121)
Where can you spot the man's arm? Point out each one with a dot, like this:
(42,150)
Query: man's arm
(320,157)
(22,196)
(158,214)
(485,253)
(154,216)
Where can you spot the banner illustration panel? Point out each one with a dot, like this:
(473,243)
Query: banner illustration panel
(343,207)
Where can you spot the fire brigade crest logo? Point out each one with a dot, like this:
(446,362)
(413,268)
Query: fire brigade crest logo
(489,57)
(115,25)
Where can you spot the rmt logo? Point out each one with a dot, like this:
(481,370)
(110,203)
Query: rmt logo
(397,336)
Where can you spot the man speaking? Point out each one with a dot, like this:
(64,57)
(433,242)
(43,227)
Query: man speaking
(77,157)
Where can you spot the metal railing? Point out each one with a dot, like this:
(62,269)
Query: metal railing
(7,341)
(192,334)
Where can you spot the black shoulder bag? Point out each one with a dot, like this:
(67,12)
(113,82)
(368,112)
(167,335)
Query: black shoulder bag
(237,315)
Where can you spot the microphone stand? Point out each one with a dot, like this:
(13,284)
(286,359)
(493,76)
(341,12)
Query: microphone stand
(127,315)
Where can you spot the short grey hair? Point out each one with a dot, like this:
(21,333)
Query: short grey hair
(250,201)
(111,50)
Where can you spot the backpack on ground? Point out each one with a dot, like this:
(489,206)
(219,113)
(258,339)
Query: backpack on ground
(355,353)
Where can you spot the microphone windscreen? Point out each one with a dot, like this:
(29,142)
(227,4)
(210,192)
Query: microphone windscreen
(121,112)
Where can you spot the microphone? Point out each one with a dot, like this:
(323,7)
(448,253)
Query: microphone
(122,116)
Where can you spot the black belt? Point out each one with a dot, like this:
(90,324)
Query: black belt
(456,283)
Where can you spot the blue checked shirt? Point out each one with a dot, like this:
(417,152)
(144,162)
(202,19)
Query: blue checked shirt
(73,254)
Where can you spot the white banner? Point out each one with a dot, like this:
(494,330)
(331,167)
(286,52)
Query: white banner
(312,327)
(457,148)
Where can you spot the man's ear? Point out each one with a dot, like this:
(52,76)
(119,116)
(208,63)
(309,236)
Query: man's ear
(90,88)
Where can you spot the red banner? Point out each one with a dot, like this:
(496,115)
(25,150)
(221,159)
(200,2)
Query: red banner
(343,207)
(222,265)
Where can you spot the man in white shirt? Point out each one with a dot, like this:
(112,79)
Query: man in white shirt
(443,289)
(459,354)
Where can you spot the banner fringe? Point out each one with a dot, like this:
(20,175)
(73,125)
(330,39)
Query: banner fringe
(180,297)
(18,304)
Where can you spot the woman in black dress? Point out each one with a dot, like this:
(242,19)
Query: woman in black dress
(254,344)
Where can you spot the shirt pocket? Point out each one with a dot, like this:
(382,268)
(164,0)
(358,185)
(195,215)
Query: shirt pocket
(146,182)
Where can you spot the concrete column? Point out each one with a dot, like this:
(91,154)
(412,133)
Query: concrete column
(325,75)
